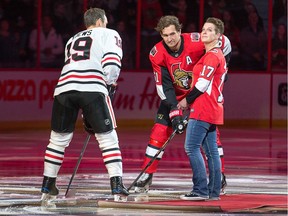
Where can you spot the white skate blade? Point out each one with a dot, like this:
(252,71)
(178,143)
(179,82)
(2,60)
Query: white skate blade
(119,198)
(48,197)
(47,201)
(141,198)
(141,189)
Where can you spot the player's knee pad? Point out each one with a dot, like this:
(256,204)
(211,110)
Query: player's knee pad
(60,139)
(160,133)
(54,153)
(108,143)
(107,140)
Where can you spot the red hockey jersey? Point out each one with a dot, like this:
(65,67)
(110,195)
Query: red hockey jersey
(209,74)
(173,70)
(176,65)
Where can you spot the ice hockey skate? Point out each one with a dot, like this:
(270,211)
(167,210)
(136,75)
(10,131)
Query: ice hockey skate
(223,184)
(142,185)
(118,189)
(49,192)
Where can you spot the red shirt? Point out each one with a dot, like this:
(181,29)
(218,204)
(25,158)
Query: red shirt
(209,74)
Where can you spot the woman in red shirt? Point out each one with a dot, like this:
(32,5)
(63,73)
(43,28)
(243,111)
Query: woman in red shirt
(206,112)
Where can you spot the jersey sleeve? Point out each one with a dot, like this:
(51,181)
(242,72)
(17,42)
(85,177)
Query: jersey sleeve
(111,60)
(226,48)
(164,83)
(155,63)
(168,88)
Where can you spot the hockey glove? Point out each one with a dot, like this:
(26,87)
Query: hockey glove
(111,90)
(178,123)
(88,128)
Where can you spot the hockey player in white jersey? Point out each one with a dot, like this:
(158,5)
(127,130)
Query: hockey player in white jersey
(92,65)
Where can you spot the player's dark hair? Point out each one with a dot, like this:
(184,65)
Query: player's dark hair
(166,21)
(92,15)
(219,25)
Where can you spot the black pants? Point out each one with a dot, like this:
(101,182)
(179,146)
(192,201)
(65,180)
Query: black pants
(96,108)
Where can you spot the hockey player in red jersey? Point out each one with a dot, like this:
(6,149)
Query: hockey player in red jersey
(92,64)
(172,61)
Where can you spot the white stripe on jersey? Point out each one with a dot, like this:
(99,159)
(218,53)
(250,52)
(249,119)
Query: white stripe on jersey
(203,84)
(160,92)
(111,59)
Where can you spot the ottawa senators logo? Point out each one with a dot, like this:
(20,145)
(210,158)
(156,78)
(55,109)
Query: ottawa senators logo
(183,79)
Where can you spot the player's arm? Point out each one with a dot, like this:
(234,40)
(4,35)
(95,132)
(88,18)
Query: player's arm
(164,83)
(168,88)
(226,48)
(111,60)
(227,51)
(166,92)
(175,115)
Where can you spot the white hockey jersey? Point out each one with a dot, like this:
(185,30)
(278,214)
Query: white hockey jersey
(92,61)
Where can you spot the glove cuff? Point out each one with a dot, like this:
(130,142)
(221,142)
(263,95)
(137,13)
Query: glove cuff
(174,113)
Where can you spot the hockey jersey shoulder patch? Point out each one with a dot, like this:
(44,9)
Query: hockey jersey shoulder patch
(195,37)
(153,51)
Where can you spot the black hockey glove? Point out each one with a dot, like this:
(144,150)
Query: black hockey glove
(178,123)
(88,128)
(111,90)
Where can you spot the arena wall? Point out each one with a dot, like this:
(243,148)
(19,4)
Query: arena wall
(251,100)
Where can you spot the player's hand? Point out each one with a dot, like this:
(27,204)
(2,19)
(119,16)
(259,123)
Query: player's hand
(178,123)
(183,105)
(88,128)
(112,90)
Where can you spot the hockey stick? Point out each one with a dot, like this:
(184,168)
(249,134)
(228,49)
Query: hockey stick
(78,163)
(155,156)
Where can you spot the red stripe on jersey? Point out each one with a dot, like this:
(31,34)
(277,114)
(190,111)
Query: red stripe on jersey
(110,58)
(53,156)
(81,77)
(110,108)
(111,155)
